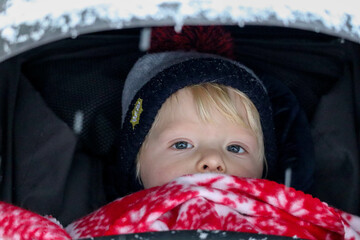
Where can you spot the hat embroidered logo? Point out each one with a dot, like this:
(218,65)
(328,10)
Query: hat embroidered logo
(136,113)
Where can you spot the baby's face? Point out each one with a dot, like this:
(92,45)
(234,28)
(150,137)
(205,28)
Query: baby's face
(182,143)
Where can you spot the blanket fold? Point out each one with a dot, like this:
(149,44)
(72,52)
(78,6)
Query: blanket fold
(220,202)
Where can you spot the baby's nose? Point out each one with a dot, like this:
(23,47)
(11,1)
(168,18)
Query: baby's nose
(211,162)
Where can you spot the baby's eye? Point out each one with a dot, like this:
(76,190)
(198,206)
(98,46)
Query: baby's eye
(182,145)
(235,149)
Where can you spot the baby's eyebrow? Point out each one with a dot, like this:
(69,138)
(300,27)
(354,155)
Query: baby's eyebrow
(172,132)
(167,133)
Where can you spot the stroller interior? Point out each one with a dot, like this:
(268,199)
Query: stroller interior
(61,109)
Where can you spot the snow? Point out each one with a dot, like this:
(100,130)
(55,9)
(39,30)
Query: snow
(202,235)
(288,173)
(78,121)
(145,37)
(33,20)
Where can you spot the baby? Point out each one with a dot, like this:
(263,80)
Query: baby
(186,113)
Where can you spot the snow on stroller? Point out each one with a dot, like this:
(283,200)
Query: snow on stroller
(62,73)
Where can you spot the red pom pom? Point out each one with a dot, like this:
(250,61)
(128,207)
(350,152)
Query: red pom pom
(206,39)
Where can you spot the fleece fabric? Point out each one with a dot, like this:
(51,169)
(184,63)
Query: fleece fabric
(201,201)
(220,202)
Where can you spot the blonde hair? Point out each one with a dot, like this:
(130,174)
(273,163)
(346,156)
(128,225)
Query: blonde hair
(210,96)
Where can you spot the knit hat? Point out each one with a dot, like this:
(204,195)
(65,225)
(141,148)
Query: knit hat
(155,77)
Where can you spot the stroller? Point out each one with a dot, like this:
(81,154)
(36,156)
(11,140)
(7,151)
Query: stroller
(61,79)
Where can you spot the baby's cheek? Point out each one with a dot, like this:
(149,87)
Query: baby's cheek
(247,170)
(155,177)
(160,172)
(166,175)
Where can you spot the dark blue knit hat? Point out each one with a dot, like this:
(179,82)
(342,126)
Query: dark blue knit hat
(156,76)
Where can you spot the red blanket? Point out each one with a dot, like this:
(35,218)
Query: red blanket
(19,224)
(220,202)
(200,201)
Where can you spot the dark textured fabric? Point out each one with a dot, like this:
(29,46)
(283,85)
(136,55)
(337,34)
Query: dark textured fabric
(86,83)
(9,78)
(308,64)
(45,168)
(36,152)
(44,147)
(337,174)
(293,136)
